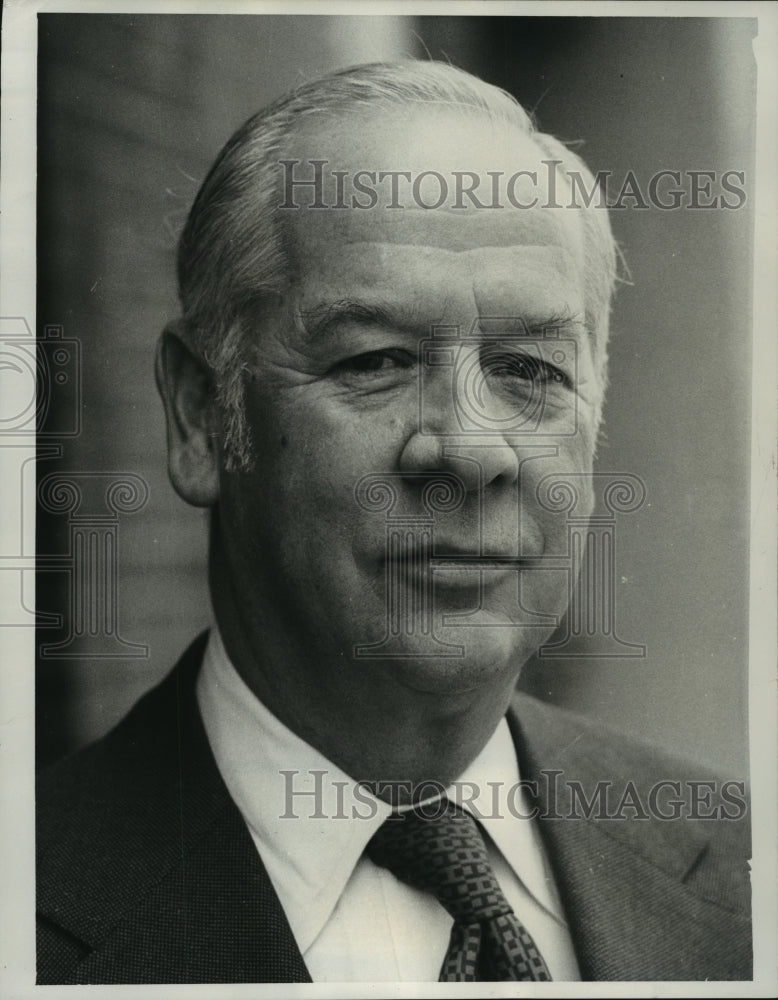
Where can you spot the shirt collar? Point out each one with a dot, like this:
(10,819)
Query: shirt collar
(311,822)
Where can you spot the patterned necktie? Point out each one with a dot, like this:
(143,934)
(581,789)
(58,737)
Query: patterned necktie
(446,855)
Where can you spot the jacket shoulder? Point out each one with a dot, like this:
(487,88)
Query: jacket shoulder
(76,796)
(146,870)
(679,815)
(649,853)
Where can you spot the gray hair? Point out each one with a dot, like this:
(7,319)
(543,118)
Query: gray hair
(232,251)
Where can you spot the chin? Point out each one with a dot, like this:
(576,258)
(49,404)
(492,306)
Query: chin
(454,660)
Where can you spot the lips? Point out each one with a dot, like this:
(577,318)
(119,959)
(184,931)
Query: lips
(452,560)
(442,559)
(452,571)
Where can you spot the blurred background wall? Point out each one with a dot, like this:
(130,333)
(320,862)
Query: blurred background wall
(132,111)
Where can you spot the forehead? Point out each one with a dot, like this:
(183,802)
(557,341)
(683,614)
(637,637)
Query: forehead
(448,263)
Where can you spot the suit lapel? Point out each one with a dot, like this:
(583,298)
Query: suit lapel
(622,881)
(189,898)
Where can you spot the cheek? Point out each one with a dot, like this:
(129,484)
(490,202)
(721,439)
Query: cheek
(330,439)
(311,452)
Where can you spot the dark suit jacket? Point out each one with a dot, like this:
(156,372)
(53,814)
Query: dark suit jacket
(147,872)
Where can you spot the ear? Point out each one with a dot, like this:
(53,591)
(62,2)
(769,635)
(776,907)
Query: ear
(188,393)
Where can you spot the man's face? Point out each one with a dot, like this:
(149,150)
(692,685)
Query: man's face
(342,387)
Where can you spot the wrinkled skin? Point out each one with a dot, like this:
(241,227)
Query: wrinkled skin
(299,567)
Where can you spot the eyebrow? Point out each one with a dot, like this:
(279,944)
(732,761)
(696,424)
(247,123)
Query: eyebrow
(532,324)
(323,319)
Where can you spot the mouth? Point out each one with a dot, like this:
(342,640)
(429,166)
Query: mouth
(475,573)
(454,571)
(457,561)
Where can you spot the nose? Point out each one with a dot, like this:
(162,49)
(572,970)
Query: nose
(477,462)
(438,443)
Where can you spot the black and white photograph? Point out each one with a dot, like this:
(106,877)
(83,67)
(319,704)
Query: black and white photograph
(388,458)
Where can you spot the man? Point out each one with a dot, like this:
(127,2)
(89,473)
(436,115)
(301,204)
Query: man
(391,358)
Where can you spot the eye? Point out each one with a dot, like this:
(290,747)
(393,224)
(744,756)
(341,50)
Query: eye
(377,362)
(524,367)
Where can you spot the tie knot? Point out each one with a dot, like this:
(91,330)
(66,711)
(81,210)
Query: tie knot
(444,855)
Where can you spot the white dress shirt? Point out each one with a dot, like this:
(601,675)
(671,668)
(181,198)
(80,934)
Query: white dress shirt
(353,921)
